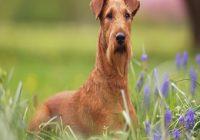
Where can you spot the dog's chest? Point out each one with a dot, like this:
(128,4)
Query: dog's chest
(108,118)
(101,110)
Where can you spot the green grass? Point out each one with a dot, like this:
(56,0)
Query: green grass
(53,57)
(49,58)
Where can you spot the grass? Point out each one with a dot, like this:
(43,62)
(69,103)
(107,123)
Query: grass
(51,58)
(14,110)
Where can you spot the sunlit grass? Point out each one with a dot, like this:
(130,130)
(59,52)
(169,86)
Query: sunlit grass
(14,109)
(52,58)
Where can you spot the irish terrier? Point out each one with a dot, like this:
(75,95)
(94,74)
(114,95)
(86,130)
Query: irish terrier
(98,103)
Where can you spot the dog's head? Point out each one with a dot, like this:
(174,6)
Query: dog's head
(115,18)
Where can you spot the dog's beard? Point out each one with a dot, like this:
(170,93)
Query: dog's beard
(119,56)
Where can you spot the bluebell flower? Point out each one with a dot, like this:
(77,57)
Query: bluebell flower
(147,95)
(165,86)
(140,82)
(176,134)
(178,60)
(144,57)
(198,59)
(181,120)
(193,80)
(157,136)
(181,60)
(189,119)
(168,117)
(185,59)
(147,128)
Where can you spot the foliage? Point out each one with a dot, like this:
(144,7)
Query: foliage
(174,106)
(45,10)
(52,58)
(12,110)
(167,108)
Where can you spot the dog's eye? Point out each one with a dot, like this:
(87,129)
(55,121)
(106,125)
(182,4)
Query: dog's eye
(127,15)
(109,16)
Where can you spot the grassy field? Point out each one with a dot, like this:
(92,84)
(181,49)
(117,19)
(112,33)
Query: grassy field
(49,58)
(52,58)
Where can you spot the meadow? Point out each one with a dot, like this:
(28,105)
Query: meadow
(48,58)
(53,57)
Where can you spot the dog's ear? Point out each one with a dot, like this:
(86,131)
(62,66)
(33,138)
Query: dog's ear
(96,6)
(133,5)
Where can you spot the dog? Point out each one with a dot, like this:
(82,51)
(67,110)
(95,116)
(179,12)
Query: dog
(98,104)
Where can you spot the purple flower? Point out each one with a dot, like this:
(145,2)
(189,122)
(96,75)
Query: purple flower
(185,59)
(181,120)
(178,60)
(181,60)
(140,82)
(168,117)
(157,136)
(165,86)
(193,80)
(146,95)
(198,59)
(144,57)
(176,134)
(189,119)
(147,128)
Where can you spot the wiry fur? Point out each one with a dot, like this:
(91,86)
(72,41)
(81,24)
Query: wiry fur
(98,104)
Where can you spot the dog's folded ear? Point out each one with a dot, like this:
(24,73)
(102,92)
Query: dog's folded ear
(96,6)
(133,5)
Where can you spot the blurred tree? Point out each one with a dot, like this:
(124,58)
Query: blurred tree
(8,8)
(45,10)
(193,7)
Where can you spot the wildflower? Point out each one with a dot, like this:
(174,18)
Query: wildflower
(185,59)
(176,134)
(157,136)
(146,95)
(189,119)
(168,117)
(181,120)
(178,60)
(144,57)
(147,128)
(140,82)
(198,59)
(181,60)
(165,86)
(193,80)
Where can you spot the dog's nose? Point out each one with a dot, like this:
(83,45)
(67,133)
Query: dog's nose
(120,37)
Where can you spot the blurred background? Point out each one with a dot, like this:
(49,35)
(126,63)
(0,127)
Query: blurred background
(50,44)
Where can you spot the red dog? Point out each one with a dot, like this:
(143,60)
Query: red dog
(98,103)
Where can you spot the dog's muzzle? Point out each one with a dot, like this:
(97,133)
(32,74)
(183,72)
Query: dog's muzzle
(120,49)
(120,38)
